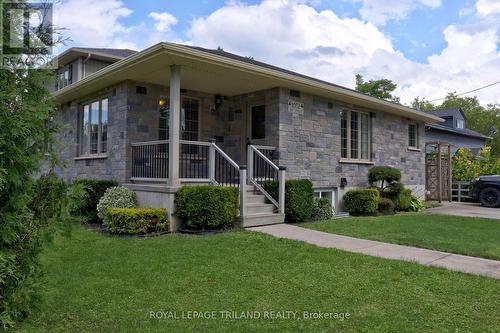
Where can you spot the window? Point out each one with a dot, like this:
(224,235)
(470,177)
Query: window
(164,109)
(189,119)
(330,194)
(413,135)
(258,122)
(355,134)
(460,123)
(93,128)
(65,77)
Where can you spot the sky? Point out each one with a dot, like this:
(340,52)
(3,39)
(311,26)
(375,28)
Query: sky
(427,47)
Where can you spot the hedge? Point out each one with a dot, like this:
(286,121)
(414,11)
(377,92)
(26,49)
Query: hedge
(135,221)
(362,201)
(207,207)
(85,195)
(299,198)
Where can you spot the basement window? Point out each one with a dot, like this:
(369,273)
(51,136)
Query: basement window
(328,193)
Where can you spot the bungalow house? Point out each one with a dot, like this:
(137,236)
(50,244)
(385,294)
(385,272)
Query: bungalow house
(173,114)
(454,131)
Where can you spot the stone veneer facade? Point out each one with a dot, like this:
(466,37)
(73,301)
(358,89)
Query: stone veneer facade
(308,141)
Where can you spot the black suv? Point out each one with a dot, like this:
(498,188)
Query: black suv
(486,189)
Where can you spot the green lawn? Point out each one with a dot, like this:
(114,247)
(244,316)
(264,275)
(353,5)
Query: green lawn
(96,283)
(465,235)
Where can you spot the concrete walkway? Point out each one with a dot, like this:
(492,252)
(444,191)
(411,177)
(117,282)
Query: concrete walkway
(456,262)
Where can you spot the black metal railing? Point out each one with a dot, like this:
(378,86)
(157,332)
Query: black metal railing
(263,171)
(194,162)
(150,160)
(226,171)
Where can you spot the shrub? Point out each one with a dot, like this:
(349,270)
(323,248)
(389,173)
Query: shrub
(49,200)
(362,201)
(85,195)
(386,206)
(466,166)
(136,221)
(393,190)
(322,209)
(416,204)
(207,207)
(299,198)
(383,174)
(403,200)
(43,214)
(116,197)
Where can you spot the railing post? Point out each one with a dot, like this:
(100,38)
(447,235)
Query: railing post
(211,160)
(459,191)
(243,192)
(250,162)
(281,184)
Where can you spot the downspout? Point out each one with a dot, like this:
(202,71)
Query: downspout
(83,65)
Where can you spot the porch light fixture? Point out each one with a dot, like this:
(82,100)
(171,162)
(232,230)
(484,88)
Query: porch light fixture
(162,102)
(343,182)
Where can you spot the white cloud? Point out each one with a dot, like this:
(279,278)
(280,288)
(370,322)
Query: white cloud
(93,22)
(488,7)
(163,20)
(380,11)
(293,35)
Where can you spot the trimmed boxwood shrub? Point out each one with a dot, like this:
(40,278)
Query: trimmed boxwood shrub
(322,209)
(207,207)
(85,195)
(136,221)
(362,201)
(386,206)
(384,174)
(299,198)
(116,197)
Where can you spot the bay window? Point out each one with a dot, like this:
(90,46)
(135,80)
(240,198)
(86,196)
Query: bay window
(355,134)
(93,128)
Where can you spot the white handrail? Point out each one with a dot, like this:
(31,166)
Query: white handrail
(147,143)
(280,204)
(264,147)
(264,157)
(226,157)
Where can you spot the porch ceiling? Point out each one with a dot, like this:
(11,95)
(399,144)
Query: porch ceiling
(212,73)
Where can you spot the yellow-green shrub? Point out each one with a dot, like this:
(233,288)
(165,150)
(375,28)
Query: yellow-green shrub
(136,220)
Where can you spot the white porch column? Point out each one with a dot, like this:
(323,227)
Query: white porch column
(174,126)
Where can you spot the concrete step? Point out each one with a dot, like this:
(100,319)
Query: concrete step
(260,208)
(262,219)
(256,198)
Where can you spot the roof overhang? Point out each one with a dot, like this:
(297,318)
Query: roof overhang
(212,73)
(74,53)
(452,131)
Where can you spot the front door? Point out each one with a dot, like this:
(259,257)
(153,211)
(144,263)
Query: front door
(255,132)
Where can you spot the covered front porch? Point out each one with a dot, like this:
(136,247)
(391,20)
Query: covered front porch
(180,136)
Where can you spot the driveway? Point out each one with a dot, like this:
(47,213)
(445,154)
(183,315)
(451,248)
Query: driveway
(468,209)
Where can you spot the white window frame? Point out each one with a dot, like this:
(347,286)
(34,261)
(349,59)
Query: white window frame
(318,193)
(81,130)
(417,136)
(359,136)
(460,123)
(183,97)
